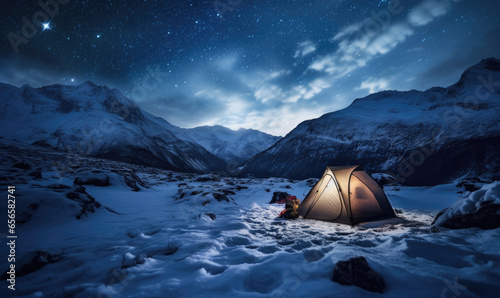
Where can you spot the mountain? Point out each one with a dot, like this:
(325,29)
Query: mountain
(96,121)
(421,137)
(234,147)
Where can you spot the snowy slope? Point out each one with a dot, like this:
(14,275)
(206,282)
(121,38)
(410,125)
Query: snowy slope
(156,242)
(234,147)
(94,120)
(424,138)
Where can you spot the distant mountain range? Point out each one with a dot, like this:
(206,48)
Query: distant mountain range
(421,137)
(234,147)
(98,121)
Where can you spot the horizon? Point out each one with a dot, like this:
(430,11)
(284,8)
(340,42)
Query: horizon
(250,67)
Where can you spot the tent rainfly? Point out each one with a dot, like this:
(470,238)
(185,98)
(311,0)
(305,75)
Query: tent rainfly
(346,195)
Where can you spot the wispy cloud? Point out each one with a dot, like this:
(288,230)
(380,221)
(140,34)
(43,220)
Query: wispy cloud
(427,11)
(374,85)
(356,47)
(304,48)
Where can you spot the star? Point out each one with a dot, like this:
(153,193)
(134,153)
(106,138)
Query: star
(72,80)
(98,35)
(46,26)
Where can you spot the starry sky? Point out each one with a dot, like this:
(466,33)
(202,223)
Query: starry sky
(266,65)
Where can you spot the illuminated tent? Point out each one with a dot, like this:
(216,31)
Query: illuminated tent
(346,195)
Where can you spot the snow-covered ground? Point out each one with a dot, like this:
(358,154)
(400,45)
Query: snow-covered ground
(164,241)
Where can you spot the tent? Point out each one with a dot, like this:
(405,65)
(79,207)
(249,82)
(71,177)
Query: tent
(346,195)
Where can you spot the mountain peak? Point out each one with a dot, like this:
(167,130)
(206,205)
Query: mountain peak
(491,64)
(471,74)
(88,83)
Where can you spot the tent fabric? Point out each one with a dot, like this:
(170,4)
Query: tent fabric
(346,195)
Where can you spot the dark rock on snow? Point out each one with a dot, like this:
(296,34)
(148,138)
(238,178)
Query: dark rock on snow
(132,181)
(84,199)
(32,262)
(97,180)
(211,215)
(486,217)
(357,272)
(220,197)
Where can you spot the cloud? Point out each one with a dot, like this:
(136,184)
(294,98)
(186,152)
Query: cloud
(374,85)
(388,40)
(359,43)
(316,87)
(427,11)
(277,121)
(304,48)
(348,30)
(268,92)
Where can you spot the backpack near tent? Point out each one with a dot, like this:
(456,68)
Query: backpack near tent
(346,195)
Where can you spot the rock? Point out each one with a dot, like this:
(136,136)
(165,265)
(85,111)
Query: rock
(220,197)
(206,178)
(132,180)
(180,194)
(228,192)
(32,262)
(487,217)
(85,200)
(478,209)
(311,182)
(357,272)
(211,215)
(140,259)
(58,186)
(472,184)
(278,196)
(132,233)
(170,250)
(95,179)
(128,260)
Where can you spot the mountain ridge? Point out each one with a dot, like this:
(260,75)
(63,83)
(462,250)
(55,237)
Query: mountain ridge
(94,120)
(385,130)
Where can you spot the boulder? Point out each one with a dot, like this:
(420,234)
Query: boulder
(357,272)
(479,209)
(486,217)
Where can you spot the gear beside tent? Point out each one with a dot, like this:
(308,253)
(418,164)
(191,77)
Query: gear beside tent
(346,195)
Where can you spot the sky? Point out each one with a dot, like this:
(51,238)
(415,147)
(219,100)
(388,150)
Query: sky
(265,65)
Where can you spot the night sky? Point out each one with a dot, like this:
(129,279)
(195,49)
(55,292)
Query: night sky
(266,65)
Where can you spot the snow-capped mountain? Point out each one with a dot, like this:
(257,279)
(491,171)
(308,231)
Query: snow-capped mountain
(422,137)
(96,121)
(234,147)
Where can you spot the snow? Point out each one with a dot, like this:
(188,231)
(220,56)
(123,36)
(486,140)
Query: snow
(157,245)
